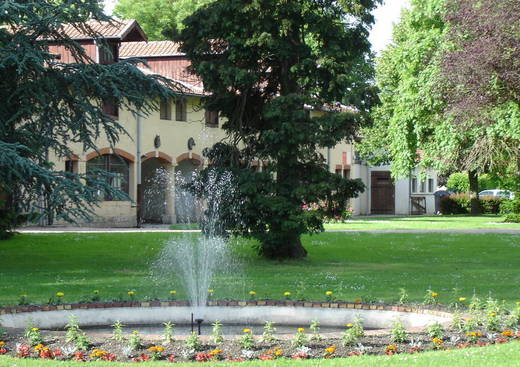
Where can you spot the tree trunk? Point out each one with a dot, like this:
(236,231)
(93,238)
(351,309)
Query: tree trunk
(475,208)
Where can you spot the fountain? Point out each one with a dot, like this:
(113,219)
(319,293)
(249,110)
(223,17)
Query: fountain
(196,261)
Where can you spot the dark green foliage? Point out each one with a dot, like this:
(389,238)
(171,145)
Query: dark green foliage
(491,205)
(512,218)
(455,204)
(48,105)
(511,206)
(266,63)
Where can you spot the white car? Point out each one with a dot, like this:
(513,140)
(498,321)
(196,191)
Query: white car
(497,193)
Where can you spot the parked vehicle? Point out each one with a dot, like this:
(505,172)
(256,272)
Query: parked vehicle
(497,193)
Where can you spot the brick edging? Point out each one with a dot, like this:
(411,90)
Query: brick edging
(222,303)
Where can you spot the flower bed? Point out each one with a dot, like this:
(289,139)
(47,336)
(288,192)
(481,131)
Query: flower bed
(477,324)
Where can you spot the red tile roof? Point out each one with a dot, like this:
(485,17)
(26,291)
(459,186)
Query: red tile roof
(119,29)
(149,49)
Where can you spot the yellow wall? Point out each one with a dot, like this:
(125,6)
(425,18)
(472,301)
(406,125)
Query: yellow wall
(174,137)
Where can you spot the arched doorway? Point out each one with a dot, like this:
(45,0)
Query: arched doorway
(186,208)
(157,181)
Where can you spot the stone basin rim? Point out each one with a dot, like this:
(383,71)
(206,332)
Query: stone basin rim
(232,312)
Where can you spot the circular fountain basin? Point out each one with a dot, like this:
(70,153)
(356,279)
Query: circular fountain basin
(294,314)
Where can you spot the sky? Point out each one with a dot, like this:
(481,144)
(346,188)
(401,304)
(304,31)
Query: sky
(386,15)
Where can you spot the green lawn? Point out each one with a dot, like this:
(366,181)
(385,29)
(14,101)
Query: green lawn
(371,266)
(430,222)
(433,222)
(504,355)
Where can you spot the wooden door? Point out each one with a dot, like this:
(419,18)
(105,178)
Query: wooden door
(382,193)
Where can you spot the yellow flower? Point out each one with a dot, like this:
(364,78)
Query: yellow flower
(437,341)
(301,330)
(358,300)
(518,308)
(434,294)
(34,329)
(211,291)
(60,294)
(391,347)
(462,299)
(286,294)
(518,303)
(507,333)
(95,291)
(349,324)
(252,293)
(278,352)
(492,314)
(135,332)
(215,352)
(331,349)
(156,348)
(130,293)
(173,292)
(2,343)
(328,293)
(38,347)
(247,331)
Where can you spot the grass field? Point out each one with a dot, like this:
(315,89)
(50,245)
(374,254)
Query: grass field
(504,355)
(371,266)
(431,222)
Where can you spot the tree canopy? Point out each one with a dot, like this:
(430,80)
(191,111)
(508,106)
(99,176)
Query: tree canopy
(449,90)
(155,16)
(266,63)
(47,105)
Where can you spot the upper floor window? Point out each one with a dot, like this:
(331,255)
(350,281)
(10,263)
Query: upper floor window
(115,165)
(180,109)
(414,184)
(211,118)
(430,185)
(108,52)
(111,107)
(166,109)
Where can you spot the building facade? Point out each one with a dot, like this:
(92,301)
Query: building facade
(170,141)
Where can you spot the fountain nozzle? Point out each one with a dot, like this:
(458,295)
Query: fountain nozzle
(199,323)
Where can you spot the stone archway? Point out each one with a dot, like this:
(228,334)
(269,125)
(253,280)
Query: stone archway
(186,208)
(157,185)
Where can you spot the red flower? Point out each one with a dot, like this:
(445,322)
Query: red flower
(3,350)
(57,353)
(265,357)
(300,355)
(79,356)
(23,351)
(142,358)
(171,358)
(414,349)
(354,353)
(46,353)
(202,357)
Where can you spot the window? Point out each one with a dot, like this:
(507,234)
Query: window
(166,109)
(346,173)
(180,109)
(211,118)
(117,166)
(339,172)
(430,185)
(71,166)
(108,53)
(414,184)
(111,108)
(423,186)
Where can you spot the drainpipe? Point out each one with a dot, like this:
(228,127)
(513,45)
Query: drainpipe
(328,160)
(138,162)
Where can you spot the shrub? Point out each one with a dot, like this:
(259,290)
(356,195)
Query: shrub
(512,218)
(455,204)
(491,204)
(511,206)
